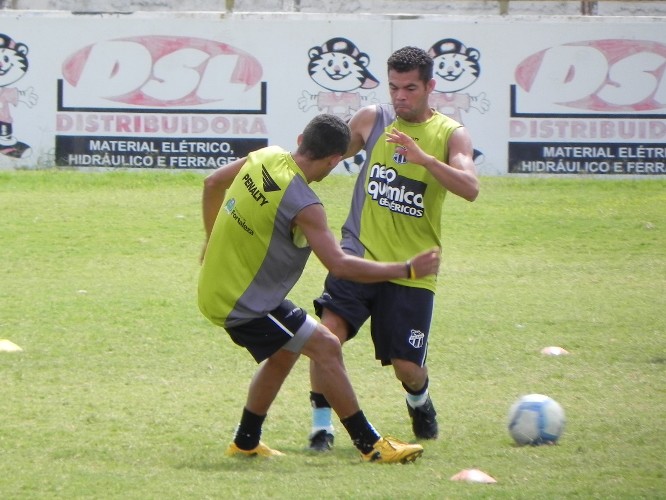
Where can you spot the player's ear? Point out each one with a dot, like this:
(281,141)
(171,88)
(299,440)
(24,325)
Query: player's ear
(335,159)
(299,139)
(431,85)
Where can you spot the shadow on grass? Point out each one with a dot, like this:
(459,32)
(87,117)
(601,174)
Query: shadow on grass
(217,461)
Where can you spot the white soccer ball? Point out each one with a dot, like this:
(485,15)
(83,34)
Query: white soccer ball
(536,419)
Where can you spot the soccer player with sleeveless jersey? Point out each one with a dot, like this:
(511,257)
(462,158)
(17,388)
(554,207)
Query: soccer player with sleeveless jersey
(262,219)
(414,156)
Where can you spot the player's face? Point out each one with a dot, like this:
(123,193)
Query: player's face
(409,95)
(333,161)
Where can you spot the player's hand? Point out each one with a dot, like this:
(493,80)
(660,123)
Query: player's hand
(406,146)
(426,263)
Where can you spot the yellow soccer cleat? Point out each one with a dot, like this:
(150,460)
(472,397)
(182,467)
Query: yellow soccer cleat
(261,450)
(391,451)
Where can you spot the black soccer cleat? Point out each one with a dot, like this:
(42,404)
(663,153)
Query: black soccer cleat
(321,441)
(424,421)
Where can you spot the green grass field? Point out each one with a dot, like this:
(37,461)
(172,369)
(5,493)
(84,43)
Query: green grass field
(124,391)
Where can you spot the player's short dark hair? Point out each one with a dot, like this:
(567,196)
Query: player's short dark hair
(324,136)
(411,58)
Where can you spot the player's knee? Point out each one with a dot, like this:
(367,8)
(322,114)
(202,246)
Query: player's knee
(335,324)
(331,345)
(409,373)
(324,347)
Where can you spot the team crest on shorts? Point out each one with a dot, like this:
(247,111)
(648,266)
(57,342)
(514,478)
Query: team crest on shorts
(416,339)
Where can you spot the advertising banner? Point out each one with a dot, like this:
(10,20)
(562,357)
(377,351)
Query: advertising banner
(555,95)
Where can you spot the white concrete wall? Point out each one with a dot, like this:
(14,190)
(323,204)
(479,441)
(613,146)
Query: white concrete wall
(440,7)
(540,94)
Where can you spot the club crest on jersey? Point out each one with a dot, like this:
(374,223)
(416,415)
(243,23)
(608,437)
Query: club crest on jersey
(399,158)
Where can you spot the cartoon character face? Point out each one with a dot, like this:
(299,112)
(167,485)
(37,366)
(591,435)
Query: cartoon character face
(13,60)
(456,66)
(339,66)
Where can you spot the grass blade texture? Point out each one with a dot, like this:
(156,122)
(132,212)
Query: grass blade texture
(123,390)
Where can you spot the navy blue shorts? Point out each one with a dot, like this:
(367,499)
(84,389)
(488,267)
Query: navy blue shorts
(286,327)
(400,316)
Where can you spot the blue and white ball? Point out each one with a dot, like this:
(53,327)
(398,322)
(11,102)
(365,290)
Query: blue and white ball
(536,419)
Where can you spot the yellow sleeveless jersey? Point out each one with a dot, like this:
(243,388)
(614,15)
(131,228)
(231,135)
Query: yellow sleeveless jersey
(396,209)
(253,260)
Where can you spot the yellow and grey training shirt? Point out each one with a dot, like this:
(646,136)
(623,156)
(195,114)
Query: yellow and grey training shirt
(396,209)
(253,259)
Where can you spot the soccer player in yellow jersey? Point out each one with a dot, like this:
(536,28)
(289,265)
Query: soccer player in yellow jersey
(414,156)
(262,219)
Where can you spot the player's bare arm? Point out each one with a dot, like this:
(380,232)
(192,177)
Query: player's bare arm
(360,125)
(313,222)
(215,186)
(458,176)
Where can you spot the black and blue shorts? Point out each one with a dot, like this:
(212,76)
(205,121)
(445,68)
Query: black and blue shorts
(400,316)
(286,327)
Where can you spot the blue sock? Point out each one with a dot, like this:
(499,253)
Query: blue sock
(321,413)
(321,419)
(415,401)
(417,398)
